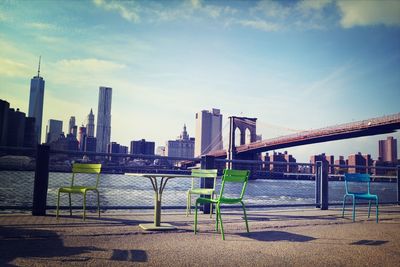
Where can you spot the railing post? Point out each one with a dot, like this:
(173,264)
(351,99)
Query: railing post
(207,162)
(324,186)
(398,184)
(41,181)
(318,174)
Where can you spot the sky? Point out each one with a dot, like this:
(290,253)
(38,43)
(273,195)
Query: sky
(294,65)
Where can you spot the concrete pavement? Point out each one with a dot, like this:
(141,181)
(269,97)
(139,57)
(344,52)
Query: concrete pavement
(292,237)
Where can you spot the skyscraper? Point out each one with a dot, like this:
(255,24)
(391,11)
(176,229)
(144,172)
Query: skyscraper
(103,131)
(208,132)
(36,103)
(90,124)
(72,129)
(183,146)
(388,149)
(53,130)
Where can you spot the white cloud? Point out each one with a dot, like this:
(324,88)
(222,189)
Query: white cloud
(89,64)
(260,25)
(313,5)
(367,13)
(272,9)
(128,10)
(13,68)
(41,26)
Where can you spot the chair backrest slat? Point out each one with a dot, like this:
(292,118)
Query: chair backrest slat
(234,176)
(86,168)
(357,177)
(204,173)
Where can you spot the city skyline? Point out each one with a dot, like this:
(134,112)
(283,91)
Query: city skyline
(294,65)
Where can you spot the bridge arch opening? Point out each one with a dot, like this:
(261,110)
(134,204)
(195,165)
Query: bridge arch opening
(247,133)
(238,133)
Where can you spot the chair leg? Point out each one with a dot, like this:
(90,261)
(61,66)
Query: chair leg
(344,204)
(245,216)
(216,219)
(70,207)
(377,212)
(58,204)
(211,205)
(220,220)
(84,205)
(195,218)
(188,204)
(354,209)
(369,208)
(98,203)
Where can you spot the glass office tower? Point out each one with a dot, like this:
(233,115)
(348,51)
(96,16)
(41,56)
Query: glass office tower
(36,103)
(103,130)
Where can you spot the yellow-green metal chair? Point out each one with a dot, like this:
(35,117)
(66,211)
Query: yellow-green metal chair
(79,168)
(230,177)
(197,174)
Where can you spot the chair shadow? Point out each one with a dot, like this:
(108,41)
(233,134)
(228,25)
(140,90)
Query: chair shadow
(271,236)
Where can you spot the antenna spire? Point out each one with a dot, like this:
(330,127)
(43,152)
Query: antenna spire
(38,72)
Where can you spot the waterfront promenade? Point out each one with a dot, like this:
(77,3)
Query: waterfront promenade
(292,237)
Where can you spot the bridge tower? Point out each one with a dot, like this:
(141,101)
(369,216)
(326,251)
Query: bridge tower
(242,124)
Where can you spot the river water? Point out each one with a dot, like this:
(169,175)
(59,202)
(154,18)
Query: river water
(16,190)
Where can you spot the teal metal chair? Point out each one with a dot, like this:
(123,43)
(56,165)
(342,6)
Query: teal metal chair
(78,168)
(229,177)
(362,181)
(197,174)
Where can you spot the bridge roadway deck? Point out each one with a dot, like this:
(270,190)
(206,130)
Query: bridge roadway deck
(293,237)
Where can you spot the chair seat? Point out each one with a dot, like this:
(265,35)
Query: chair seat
(363,195)
(76,189)
(222,200)
(202,191)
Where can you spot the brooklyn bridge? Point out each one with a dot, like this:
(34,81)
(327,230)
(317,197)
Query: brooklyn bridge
(368,127)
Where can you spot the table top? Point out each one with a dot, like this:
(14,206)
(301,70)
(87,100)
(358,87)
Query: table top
(164,175)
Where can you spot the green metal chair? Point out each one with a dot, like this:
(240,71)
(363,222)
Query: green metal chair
(230,177)
(350,180)
(78,168)
(200,173)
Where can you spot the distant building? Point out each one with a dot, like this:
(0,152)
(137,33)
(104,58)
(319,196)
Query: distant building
(72,129)
(361,163)
(208,132)
(29,134)
(183,146)
(161,151)
(82,138)
(322,157)
(36,103)
(15,128)
(342,165)
(68,143)
(53,130)
(142,147)
(90,124)
(4,107)
(90,144)
(113,148)
(388,149)
(272,165)
(103,132)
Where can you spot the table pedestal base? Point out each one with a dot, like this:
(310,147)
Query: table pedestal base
(152,227)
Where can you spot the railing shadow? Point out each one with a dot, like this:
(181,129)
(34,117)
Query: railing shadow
(27,243)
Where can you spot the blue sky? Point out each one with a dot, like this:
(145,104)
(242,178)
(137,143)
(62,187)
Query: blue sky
(295,65)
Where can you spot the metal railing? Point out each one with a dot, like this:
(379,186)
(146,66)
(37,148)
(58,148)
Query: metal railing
(26,179)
